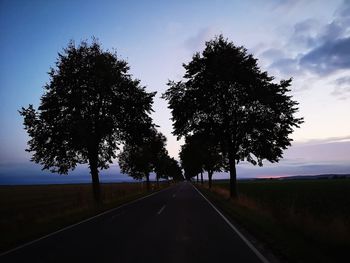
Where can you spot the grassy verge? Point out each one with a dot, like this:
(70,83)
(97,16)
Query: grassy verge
(29,212)
(300,221)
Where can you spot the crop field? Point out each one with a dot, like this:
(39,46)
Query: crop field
(28,212)
(325,199)
(303,220)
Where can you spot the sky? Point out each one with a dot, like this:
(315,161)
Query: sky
(306,40)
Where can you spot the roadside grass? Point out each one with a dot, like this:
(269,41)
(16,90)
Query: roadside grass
(29,212)
(299,220)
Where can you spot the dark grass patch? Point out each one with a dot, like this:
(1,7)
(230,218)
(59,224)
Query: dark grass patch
(302,221)
(29,212)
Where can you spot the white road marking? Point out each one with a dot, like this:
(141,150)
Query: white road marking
(81,222)
(249,244)
(161,210)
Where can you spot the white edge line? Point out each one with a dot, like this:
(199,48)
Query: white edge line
(249,244)
(81,222)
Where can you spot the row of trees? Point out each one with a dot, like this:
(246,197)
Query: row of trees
(141,157)
(91,107)
(226,108)
(201,152)
(229,111)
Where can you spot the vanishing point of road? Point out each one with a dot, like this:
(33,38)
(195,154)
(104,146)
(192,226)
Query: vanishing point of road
(174,225)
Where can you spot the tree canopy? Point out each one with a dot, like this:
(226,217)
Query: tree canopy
(225,93)
(167,168)
(201,152)
(191,158)
(90,105)
(148,154)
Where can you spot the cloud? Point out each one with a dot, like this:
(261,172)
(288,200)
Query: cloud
(286,66)
(333,31)
(283,169)
(319,49)
(196,42)
(286,6)
(328,58)
(272,54)
(342,88)
(338,28)
(305,33)
(344,9)
(332,150)
(342,81)
(323,141)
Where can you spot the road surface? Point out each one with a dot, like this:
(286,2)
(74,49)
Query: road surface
(174,225)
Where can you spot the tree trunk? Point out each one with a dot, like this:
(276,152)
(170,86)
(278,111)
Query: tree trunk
(233,177)
(95,178)
(147,182)
(210,175)
(201,177)
(157,181)
(232,167)
(197,179)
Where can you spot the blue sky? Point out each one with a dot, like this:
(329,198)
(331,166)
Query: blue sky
(306,40)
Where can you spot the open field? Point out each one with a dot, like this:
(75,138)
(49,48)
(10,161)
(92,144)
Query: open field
(28,212)
(301,220)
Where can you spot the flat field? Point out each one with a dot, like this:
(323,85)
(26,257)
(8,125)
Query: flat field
(302,220)
(28,212)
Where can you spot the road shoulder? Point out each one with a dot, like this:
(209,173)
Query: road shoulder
(82,219)
(221,204)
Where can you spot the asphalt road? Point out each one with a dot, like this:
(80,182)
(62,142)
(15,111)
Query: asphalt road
(174,225)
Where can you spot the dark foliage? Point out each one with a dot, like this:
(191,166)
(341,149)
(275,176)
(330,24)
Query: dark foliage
(226,94)
(191,159)
(148,154)
(201,152)
(90,105)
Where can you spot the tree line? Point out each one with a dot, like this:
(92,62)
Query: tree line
(229,111)
(226,108)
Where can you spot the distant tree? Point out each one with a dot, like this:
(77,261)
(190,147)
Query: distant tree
(90,105)
(174,170)
(211,154)
(226,93)
(191,158)
(160,166)
(139,158)
(168,167)
(202,152)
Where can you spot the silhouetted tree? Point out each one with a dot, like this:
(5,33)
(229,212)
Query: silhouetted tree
(191,158)
(212,157)
(202,152)
(90,105)
(139,158)
(174,170)
(160,167)
(225,92)
(167,167)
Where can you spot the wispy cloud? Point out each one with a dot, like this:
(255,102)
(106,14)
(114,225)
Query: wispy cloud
(323,141)
(305,33)
(342,88)
(329,57)
(285,6)
(332,150)
(315,47)
(196,42)
(282,169)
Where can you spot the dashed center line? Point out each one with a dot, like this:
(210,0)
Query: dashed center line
(161,210)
